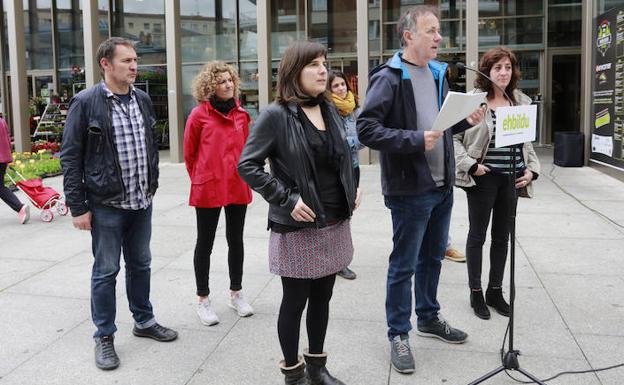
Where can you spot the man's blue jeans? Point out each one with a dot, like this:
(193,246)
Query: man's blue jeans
(114,230)
(420,229)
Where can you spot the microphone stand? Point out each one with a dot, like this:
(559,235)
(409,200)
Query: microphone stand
(510,359)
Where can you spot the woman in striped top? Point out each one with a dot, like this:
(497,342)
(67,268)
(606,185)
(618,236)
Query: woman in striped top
(484,172)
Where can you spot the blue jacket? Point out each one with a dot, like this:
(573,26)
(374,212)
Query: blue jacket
(387,123)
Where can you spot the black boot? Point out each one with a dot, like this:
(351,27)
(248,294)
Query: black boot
(317,372)
(294,375)
(478,304)
(494,298)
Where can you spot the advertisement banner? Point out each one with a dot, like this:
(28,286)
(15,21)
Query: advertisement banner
(608,93)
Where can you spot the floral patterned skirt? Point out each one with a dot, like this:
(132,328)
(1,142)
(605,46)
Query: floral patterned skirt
(311,253)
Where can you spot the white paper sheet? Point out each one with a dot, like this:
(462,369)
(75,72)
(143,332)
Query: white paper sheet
(457,106)
(602,144)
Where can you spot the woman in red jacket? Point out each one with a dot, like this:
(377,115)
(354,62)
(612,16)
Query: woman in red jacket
(214,136)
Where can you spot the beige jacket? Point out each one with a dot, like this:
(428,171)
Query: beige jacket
(471,147)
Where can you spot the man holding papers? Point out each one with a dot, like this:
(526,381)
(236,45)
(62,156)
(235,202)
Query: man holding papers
(417,174)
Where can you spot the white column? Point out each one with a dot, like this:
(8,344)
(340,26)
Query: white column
(90,20)
(174,80)
(363,59)
(17,60)
(587,74)
(472,41)
(263,9)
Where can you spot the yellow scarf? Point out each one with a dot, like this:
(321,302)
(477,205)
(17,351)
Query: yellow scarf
(345,106)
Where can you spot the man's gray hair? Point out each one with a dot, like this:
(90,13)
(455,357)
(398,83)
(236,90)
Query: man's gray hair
(407,22)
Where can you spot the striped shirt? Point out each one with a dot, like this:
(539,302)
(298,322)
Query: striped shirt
(499,160)
(129,136)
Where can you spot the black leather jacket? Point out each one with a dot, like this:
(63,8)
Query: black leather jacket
(278,135)
(91,170)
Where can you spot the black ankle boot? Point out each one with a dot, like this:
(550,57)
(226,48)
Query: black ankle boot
(317,372)
(478,304)
(494,298)
(294,375)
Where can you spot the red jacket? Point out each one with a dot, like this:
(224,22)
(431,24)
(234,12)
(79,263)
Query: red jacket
(213,143)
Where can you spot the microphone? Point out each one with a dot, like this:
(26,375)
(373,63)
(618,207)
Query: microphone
(461,65)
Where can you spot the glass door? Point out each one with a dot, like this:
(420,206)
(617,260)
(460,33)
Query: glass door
(563,104)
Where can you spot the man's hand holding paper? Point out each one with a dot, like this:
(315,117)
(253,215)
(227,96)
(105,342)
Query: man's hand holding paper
(458,106)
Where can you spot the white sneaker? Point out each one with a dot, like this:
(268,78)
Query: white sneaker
(206,314)
(238,303)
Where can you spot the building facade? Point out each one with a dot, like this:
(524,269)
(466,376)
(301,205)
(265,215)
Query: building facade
(48,49)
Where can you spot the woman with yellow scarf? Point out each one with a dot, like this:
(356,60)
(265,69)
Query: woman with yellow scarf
(347,106)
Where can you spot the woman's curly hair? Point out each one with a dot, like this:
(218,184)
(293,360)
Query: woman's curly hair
(205,82)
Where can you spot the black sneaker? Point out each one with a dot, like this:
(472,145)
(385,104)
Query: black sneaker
(442,330)
(401,356)
(156,332)
(105,356)
(347,273)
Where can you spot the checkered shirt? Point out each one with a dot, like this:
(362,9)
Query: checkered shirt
(129,135)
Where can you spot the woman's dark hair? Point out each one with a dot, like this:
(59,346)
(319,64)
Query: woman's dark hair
(298,55)
(488,60)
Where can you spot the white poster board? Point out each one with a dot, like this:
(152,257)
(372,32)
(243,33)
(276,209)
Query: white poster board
(515,125)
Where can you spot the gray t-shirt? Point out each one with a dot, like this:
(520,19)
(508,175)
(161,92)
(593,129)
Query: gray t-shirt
(426,99)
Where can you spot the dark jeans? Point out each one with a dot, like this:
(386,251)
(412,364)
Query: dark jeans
(420,226)
(7,195)
(492,195)
(114,230)
(296,292)
(207,221)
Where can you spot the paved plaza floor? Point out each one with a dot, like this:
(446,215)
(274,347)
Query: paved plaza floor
(570,297)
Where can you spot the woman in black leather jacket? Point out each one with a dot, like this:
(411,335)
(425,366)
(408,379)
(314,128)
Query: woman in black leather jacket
(312,194)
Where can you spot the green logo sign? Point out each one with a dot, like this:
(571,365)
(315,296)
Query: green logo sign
(603,42)
(516,122)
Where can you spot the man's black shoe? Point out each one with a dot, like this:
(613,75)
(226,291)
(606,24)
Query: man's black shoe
(105,356)
(156,332)
(442,330)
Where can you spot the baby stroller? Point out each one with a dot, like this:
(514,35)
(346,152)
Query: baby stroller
(44,198)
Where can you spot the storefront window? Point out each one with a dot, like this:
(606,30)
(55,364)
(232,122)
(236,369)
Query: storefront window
(564,23)
(38,34)
(494,8)
(69,30)
(208,30)
(249,87)
(189,71)
(287,24)
(103,24)
(333,24)
(247,30)
(142,21)
(514,33)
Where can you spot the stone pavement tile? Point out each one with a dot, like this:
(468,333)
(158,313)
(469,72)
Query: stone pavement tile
(579,256)
(602,352)
(14,270)
(456,367)
(71,279)
(360,299)
(538,330)
(40,241)
(564,225)
(166,202)
(585,192)
(31,323)
(171,241)
(352,356)
(143,361)
(174,300)
(609,209)
(550,204)
(589,304)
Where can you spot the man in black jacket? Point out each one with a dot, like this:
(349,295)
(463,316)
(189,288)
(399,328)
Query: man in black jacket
(417,175)
(110,169)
